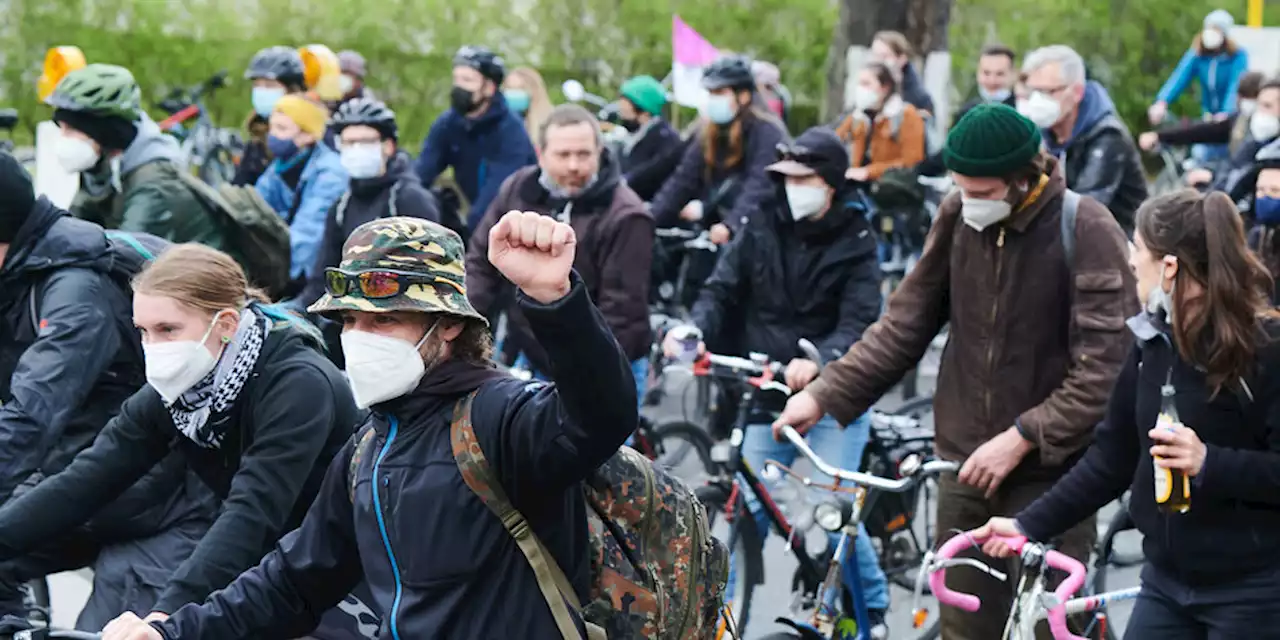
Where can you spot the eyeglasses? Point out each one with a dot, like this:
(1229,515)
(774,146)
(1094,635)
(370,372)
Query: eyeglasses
(797,153)
(379,284)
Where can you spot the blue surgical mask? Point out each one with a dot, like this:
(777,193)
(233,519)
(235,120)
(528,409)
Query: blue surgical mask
(720,109)
(280,148)
(1267,210)
(265,99)
(362,161)
(994,96)
(517,100)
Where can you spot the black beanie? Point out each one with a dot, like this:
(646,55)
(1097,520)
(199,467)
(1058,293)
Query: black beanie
(17,197)
(113,133)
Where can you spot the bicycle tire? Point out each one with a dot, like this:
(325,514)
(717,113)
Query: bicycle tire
(37,600)
(746,554)
(1105,560)
(1121,522)
(696,436)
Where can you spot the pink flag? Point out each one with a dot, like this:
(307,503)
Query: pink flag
(688,47)
(690,52)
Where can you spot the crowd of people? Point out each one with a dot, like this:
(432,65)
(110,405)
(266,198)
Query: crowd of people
(235,462)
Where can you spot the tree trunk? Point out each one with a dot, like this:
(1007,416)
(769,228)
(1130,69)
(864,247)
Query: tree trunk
(923,22)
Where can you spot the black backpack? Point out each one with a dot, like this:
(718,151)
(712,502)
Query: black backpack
(131,252)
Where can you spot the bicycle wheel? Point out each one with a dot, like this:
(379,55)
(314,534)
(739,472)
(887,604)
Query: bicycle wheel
(746,572)
(684,449)
(1109,575)
(36,600)
(1124,543)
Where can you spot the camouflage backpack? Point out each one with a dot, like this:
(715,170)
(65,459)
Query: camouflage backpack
(656,571)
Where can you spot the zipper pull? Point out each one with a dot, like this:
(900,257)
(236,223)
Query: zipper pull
(1000,240)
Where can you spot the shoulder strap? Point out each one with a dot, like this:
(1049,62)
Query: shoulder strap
(479,477)
(1070,209)
(391,203)
(341,214)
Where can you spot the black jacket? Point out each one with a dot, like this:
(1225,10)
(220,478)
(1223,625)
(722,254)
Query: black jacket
(785,281)
(290,419)
(439,564)
(652,158)
(1100,158)
(1233,527)
(913,91)
(751,189)
(368,200)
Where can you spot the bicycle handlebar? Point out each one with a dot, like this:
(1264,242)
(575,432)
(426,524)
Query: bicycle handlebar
(933,467)
(56,634)
(1057,616)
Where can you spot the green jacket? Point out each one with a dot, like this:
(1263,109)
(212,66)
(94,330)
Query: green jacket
(151,196)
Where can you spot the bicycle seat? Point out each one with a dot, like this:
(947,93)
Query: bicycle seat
(8,119)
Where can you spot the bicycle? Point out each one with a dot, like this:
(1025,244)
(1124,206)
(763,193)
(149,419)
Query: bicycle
(56,634)
(725,495)
(211,151)
(675,246)
(1107,556)
(1033,601)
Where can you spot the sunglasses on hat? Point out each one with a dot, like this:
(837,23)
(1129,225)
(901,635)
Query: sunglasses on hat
(377,284)
(798,153)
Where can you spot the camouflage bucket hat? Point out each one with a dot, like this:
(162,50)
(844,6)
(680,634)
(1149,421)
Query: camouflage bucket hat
(429,253)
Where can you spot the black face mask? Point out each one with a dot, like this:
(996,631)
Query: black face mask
(630,125)
(462,100)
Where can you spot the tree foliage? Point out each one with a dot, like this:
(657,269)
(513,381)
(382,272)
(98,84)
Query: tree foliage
(1131,45)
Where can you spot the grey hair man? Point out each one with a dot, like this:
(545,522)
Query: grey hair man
(1081,128)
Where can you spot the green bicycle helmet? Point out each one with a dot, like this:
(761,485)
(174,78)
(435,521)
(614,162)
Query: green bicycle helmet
(99,89)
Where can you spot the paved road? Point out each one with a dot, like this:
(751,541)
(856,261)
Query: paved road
(772,599)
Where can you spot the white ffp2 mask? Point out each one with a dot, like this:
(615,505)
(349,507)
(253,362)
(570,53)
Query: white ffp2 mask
(980,214)
(805,201)
(1041,109)
(382,368)
(75,154)
(174,367)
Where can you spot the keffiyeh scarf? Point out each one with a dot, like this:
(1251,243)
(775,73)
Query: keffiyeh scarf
(200,413)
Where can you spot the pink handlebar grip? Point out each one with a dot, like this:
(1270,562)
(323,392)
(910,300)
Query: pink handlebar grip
(1075,579)
(938,579)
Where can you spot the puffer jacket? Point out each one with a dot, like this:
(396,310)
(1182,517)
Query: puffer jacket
(306,207)
(150,196)
(1035,342)
(367,200)
(1100,158)
(438,562)
(785,280)
(750,190)
(614,254)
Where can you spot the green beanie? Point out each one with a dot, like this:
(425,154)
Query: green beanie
(646,93)
(991,141)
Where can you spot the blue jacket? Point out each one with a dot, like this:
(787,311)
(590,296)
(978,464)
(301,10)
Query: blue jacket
(305,209)
(483,152)
(1219,77)
(438,563)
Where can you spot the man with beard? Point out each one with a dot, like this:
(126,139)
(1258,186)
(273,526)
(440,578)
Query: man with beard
(577,183)
(479,136)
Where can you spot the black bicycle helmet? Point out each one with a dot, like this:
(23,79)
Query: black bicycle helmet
(368,112)
(280,63)
(730,71)
(488,63)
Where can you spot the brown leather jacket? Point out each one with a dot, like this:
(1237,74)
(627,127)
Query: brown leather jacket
(1033,340)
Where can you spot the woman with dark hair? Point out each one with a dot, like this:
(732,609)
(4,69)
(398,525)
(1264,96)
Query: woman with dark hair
(883,132)
(721,179)
(1200,396)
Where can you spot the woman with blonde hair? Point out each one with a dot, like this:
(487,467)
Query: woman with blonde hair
(526,94)
(239,389)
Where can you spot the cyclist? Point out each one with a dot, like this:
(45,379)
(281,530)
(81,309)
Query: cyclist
(654,147)
(68,358)
(1232,131)
(305,179)
(772,91)
(892,49)
(526,94)
(354,69)
(242,394)
(1035,338)
(1264,128)
(478,136)
(128,169)
(1210,333)
(455,571)
(720,182)
(575,183)
(807,271)
(1217,62)
(883,132)
(275,72)
(1082,130)
(1265,211)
